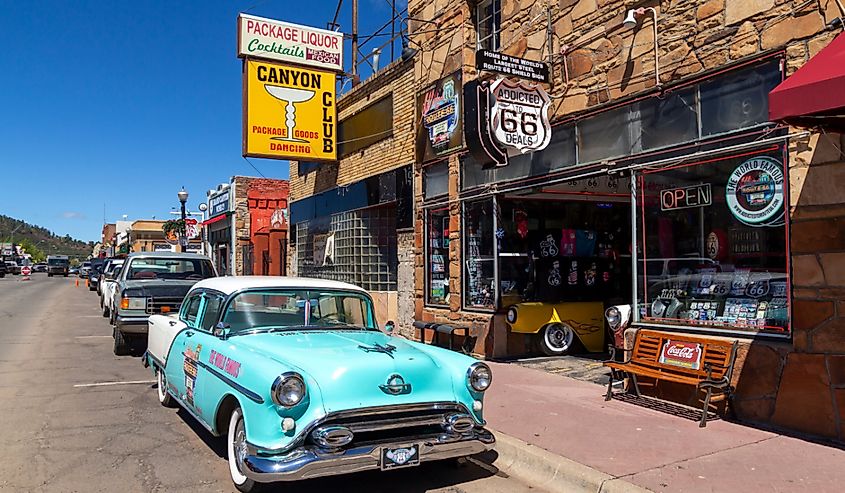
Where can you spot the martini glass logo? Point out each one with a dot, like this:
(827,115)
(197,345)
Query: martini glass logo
(292,97)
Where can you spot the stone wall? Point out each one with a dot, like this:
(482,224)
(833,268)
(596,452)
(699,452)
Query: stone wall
(405,283)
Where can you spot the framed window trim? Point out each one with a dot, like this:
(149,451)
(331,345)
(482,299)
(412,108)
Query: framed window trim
(495,25)
(427,261)
(464,257)
(636,234)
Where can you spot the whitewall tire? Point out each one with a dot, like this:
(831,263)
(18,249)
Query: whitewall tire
(557,339)
(236,452)
(164,398)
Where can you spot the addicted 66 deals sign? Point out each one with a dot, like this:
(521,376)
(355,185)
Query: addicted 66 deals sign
(289,112)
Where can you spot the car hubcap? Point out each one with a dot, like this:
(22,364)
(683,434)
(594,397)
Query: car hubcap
(559,337)
(239,445)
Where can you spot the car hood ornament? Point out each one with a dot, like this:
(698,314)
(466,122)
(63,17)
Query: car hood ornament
(395,385)
(378,348)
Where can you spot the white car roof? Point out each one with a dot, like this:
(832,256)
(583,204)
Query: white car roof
(229,284)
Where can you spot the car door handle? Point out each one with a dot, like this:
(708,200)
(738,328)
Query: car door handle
(172,323)
(189,334)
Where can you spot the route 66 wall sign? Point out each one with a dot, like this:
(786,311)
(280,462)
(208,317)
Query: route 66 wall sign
(520,115)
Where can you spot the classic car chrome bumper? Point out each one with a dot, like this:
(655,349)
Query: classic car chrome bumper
(312,462)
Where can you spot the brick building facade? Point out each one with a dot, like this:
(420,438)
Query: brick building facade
(604,78)
(260,210)
(348,217)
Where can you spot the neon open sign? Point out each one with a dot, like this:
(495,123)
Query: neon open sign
(687,197)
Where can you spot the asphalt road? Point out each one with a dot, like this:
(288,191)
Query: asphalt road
(62,432)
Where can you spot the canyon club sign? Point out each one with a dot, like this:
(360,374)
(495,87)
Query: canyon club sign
(291,43)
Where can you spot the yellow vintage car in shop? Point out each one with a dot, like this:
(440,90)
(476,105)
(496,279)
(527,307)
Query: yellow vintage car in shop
(558,325)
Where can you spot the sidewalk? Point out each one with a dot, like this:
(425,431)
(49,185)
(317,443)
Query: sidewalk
(651,449)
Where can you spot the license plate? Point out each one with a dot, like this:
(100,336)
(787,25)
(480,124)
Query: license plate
(394,458)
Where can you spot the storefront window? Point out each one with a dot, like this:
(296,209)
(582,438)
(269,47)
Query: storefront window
(738,100)
(437,257)
(479,260)
(436,179)
(712,245)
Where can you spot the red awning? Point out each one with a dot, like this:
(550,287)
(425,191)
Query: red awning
(216,218)
(815,94)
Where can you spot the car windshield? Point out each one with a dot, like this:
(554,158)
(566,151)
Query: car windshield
(299,309)
(57,261)
(169,268)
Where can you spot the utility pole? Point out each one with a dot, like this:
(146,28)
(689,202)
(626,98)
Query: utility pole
(354,42)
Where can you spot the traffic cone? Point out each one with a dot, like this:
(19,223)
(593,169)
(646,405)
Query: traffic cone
(77,282)
(86,283)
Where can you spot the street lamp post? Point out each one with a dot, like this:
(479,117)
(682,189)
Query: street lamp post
(183,239)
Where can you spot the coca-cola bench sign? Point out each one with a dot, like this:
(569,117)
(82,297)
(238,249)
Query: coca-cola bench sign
(683,354)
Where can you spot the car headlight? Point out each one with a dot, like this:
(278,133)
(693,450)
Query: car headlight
(288,390)
(613,317)
(479,377)
(127,303)
(511,315)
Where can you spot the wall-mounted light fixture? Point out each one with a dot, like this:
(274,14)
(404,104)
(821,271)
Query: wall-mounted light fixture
(631,22)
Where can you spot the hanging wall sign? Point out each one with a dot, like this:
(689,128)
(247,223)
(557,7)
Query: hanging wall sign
(439,109)
(520,115)
(492,61)
(291,43)
(289,112)
(754,192)
(480,141)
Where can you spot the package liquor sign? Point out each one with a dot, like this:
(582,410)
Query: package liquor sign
(289,112)
(520,115)
(685,354)
(291,43)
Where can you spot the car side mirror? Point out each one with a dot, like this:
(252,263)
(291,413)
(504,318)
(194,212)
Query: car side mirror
(221,330)
(389,326)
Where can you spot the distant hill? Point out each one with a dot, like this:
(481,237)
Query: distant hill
(44,240)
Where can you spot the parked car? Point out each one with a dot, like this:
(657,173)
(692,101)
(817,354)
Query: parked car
(107,285)
(74,271)
(58,265)
(94,273)
(3,269)
(84,268)
(298,376)
(152,283)
(39,267)
(12,267)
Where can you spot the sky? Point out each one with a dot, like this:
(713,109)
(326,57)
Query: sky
(109,108)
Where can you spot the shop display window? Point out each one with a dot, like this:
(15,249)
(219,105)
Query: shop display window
(564,250)
(436,179)
(479,260)
(437,256)
(712,245)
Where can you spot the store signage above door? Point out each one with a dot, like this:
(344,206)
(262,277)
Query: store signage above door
(219,204)
(520,115)
(686,197)
(684,354)
(275,40)
(439,108)
(289,112)
(491,61)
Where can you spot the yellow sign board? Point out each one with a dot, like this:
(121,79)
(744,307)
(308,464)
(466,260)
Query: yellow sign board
(289,112)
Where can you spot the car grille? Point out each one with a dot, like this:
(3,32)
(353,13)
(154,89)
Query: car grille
(155,305)
(392,423)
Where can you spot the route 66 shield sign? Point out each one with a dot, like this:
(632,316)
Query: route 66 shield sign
(520,115)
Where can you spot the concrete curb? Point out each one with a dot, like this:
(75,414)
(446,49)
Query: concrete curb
(540,468)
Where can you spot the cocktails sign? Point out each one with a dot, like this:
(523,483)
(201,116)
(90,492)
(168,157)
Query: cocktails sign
(289,112)
(292,43)
(684,354)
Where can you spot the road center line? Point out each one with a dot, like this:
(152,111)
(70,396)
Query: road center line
(105,384)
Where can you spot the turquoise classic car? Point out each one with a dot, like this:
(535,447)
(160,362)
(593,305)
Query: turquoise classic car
(299,378)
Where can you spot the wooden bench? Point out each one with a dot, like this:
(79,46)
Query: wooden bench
(441,329)
(710,372)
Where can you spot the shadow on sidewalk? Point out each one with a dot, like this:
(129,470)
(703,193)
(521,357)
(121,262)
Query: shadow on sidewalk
(666,407)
